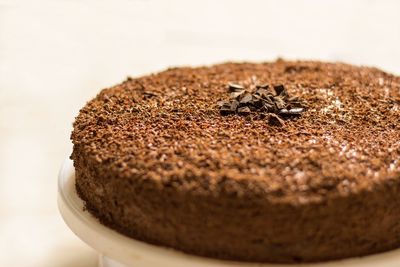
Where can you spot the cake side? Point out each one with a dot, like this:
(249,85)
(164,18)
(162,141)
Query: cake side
(155,160)
(227,226)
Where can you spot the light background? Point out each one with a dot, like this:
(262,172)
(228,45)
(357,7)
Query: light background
(56,55)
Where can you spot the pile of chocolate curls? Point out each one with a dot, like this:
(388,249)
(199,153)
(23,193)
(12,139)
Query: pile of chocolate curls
(263,99)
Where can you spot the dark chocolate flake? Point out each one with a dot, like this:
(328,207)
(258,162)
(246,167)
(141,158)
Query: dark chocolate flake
(271,107)
(279,102)
(234,105)
(269,99)
(281,91)
(260,116)
(222,103)
(293,111)
(226,110)
(244,111)
(247,98)
(237,94)
(263,86)
(262,92)
(233,87)
(275,120)
(252,108)
(258,102)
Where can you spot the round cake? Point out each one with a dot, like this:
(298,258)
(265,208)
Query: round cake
(283,161)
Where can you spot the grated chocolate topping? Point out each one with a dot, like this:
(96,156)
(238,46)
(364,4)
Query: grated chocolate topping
(166,128)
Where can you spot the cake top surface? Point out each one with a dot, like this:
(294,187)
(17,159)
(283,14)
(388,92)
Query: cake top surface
(167,129)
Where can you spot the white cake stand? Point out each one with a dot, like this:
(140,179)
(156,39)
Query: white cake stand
(116,250)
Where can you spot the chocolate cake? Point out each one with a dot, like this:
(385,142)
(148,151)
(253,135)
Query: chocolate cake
(171,159)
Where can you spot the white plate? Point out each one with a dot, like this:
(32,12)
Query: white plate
(120,251)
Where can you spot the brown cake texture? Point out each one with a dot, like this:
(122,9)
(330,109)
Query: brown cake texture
(157,161)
